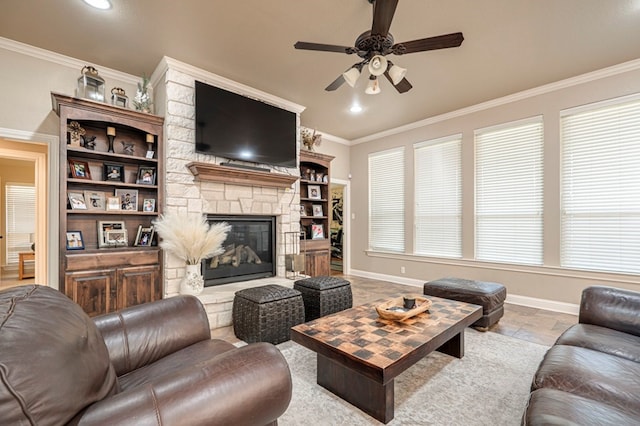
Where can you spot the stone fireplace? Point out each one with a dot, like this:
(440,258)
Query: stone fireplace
(249,251)
(197,184)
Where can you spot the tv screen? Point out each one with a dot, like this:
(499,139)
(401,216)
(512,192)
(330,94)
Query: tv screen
(239,128)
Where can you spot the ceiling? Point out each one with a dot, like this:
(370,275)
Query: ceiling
(509,46)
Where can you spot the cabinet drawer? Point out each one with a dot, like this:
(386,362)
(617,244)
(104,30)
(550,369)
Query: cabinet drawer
(124,258)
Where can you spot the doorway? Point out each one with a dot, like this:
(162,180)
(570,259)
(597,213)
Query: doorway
(337,228)
(24,164)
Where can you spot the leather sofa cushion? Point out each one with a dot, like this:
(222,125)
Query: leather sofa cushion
(591,374)
(49,373)
(192,355)
(602,339)
(553,407)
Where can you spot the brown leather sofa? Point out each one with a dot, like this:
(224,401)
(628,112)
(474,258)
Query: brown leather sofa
(591,376)
(152,364)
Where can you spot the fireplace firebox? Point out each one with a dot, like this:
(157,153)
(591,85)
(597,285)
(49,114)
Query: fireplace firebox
(249,251)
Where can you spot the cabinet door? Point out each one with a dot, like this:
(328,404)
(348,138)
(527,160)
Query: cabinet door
(136,285)
(317,263)
(94,291)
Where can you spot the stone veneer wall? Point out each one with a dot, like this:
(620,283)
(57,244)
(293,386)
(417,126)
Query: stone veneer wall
(186,194)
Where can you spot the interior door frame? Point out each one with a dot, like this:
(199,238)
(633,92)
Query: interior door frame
(43,151)
(346,228)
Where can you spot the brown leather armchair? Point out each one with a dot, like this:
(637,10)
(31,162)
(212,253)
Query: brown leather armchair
(591,375)
(152,364)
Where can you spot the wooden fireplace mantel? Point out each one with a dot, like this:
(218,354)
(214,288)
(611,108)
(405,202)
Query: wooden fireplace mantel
(238,176)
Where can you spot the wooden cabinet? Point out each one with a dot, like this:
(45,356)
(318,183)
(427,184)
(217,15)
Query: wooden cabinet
(112,188)
(315,208)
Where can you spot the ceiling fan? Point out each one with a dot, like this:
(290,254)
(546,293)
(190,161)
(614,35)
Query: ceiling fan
(374,45)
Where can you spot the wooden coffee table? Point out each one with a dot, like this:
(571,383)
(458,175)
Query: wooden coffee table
(359,354)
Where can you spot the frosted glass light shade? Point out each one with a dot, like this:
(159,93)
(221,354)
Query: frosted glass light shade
(373,88)
(397,74)
(378,65)
(351,76)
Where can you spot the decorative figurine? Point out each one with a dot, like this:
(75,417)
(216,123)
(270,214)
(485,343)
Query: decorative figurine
(127,147)
(89,142)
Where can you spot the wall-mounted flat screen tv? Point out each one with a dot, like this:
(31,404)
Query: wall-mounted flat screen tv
(236,127)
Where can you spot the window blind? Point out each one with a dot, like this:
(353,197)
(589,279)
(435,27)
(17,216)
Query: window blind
(600,187)
(438,197)
(509,190)
(386,200)
(20,202)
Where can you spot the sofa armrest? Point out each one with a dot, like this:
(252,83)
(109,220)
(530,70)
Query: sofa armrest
(610,307)
(250,385)
(142,334)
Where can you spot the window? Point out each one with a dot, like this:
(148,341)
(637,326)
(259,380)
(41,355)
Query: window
(509,178)
(20,201)
(438,197)
(386,200)
(601,186)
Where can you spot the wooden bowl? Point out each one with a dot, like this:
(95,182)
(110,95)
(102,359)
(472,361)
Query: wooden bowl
(394,310)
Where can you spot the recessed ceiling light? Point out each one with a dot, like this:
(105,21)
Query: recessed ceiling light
(99,4)
(355,108)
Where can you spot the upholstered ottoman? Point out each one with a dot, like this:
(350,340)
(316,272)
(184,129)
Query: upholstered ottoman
(324,295)
(486,294)
(266,313)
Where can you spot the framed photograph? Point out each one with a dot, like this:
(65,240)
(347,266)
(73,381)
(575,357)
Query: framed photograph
(116,238)
(317,231)
(303,210)
(149,205)
(74,240)
(106,227)
(79,169)
(313,192)
(95,200)
(146,175)
(113,203)
(317,210)
(76,200)
(144,237)
(128,199)
(113,172)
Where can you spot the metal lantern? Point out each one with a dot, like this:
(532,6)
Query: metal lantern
(119,97)
(90,84)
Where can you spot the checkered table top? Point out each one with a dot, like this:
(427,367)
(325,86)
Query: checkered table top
(360,333)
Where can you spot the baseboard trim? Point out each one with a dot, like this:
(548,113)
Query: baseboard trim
(531,302)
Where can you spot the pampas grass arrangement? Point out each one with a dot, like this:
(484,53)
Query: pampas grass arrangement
(190,237)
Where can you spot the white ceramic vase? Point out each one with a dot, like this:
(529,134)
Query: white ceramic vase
(193,282)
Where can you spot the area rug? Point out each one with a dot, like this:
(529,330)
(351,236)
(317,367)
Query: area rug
(488,386)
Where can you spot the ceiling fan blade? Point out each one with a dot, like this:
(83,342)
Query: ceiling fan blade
(402,87)
(430,43)
(336,83)
(383,11)
(324,47)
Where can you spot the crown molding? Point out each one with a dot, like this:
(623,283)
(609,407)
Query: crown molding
(167,63)
(66,61)
(632,65)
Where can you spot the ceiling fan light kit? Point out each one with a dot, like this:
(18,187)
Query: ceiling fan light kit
(372,46)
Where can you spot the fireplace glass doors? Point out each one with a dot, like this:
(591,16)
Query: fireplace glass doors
(249,251)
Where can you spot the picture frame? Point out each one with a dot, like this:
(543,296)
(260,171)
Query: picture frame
(144,237)
(317,210)
(105,227)
(149,205)
(317,231)
(79,169)
(116,238)
(128,199)
(314,192)
(113,172)
(113,204)
(95,200)
(76,200)
(74,240)
(146,175)
(303,210)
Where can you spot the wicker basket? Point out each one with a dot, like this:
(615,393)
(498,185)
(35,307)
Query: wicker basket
(398,313)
